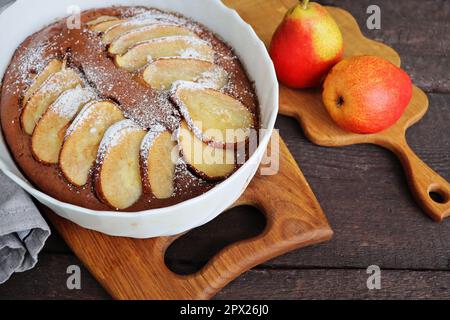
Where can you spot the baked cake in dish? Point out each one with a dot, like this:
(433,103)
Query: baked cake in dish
(130,111)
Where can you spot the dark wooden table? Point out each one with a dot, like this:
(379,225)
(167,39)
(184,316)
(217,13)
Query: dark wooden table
(362,190)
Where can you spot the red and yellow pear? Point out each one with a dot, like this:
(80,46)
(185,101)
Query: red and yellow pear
(366,94)
(306,45)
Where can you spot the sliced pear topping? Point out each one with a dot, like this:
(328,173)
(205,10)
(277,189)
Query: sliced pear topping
(101,19)
(106,25)
(49,133)
(119,30)
(158,163)
(126,41)
(83,137)
(161,74)
(215,117)
(118,180)
(208,162)
(178,46)
(52,67)
(48,92)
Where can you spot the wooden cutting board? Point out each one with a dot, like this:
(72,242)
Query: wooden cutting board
(135,269)
(431,191)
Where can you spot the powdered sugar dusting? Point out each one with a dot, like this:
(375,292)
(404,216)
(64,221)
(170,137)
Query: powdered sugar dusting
(153,18)
(136,23)
(180,85)
(147,28)
(193,51)
(33,59)
(56,83)
(114,135)
(139,14)
(158,16)
(214,78)
(140,112)
(142,105)
(190,40)
(68,103)
(190,53)
(100,76)
(184,179)
(84,114)
(147,143)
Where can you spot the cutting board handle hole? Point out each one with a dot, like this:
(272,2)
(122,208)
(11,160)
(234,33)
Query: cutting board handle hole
(438,195)
(192,251)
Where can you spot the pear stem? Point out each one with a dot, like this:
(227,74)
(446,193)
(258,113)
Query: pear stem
(304,4)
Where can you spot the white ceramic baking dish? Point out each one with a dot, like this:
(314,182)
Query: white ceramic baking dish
(26,17)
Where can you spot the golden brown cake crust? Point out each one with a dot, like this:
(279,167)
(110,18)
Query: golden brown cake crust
(87,54)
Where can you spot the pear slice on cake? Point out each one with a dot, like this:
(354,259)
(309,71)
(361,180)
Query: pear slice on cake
(83,137)
(48,136)
(216,118)
(128,40)
(162,74)
(206,161)
(120,29)
(177,46)
(47,93)
(158,157)
(117,178)
(101,19)
(106,25)
(51,68)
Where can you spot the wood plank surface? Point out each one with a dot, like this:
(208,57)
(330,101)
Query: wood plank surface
(361,188)
(337,284)
(48,280)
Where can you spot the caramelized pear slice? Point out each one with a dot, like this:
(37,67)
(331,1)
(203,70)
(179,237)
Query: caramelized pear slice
(48,92)
(106,25)
(49,133)
(118,180)
(52,67)
(177,46)
(83,137)
(101,19)
(128,40)
(161,74)
(158,161)
(206,161)
(215,117)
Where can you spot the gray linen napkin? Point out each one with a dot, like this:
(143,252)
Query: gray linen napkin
(5,4)
(23,231)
